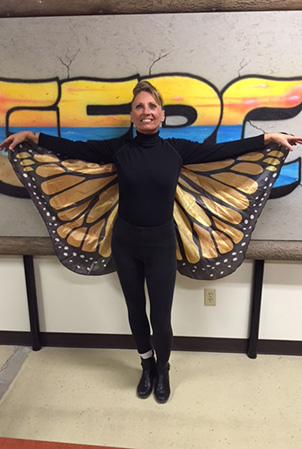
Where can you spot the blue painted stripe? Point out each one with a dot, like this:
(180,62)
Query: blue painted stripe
(288,175)
(198,133)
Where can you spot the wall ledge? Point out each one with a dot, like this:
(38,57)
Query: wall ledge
(46,8)
(257,250)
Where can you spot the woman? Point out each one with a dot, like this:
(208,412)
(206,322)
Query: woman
(143,242)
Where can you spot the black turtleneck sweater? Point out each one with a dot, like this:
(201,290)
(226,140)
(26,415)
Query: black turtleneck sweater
(148,168)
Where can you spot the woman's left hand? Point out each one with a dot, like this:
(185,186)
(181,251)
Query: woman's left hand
(286,140)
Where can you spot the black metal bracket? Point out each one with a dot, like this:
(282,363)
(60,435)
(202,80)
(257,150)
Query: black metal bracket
(32,302)
(256,308)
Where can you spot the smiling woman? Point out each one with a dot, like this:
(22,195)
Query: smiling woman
(147,112)
(215,201)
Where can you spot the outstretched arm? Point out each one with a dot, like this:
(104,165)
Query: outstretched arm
(286,140)
(90,151)
(14,139)
(195,152)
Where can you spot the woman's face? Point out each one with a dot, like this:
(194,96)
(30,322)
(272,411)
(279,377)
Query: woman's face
(146,114)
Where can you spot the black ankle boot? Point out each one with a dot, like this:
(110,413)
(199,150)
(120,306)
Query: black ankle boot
(145,386)
(162,383)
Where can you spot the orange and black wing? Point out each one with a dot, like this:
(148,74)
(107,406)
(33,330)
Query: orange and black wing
(216,209)
(78,202)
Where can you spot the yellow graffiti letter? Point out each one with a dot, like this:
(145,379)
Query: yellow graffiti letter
(23,102)
(189,91)
(251,93)
(96,103)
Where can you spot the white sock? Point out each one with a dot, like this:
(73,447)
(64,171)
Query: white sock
(147,355)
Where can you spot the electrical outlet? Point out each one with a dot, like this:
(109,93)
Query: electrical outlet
(209,297)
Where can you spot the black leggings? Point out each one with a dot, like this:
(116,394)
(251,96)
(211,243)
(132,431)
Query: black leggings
(149,254)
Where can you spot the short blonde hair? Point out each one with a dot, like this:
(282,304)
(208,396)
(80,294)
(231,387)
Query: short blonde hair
(145,86)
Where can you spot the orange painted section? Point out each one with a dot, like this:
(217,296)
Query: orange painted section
(12,443)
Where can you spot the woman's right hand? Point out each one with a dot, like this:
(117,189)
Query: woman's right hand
(14,139)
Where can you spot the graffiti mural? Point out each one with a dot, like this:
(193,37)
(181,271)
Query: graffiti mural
(95,108)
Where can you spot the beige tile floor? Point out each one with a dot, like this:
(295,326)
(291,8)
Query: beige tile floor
(5,353)
(87,396)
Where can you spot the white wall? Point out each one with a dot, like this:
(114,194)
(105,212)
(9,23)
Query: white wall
(13,299)
(282,302)
(73,303)
(230,317)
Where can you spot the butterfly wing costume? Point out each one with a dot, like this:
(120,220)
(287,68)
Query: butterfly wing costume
(216,205)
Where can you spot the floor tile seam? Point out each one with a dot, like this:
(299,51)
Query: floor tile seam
(11,368)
